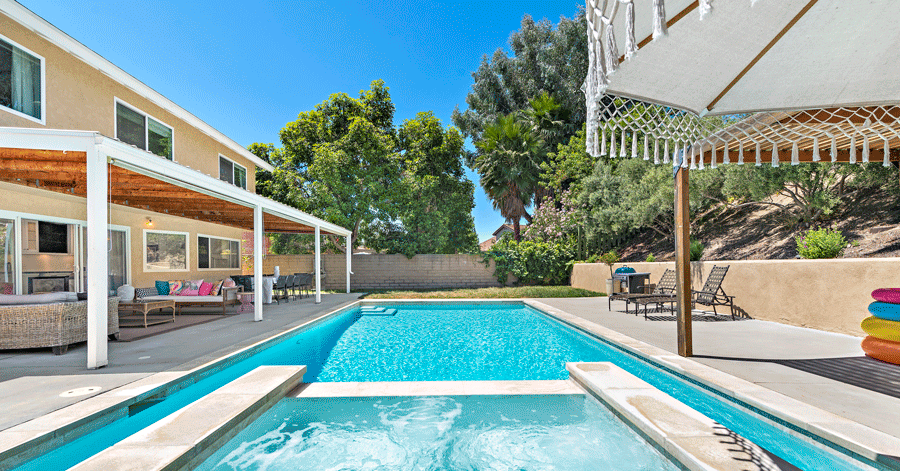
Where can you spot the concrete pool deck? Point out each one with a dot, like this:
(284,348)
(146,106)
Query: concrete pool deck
(757,351)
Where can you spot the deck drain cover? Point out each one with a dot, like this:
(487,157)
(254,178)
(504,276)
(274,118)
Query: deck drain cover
(80,391)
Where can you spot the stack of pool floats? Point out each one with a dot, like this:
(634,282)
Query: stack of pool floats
(883,342)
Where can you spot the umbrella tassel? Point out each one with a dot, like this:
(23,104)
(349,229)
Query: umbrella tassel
(795,154)
(646,149)
(694,165)
(705,8)
(815,156)
(622,147)
(775,161)
(712,159)
(612,51)
(834,149)
(852,149)
(865,152)
(666,152)
(758,155)
(630,43)
(740,152)
(656,151)
(612,145)
(603,142)
(684,151)
(887,154)
(659,19)
(633,145)
(725,158)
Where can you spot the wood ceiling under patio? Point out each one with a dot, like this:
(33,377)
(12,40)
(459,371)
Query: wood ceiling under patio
(66,172)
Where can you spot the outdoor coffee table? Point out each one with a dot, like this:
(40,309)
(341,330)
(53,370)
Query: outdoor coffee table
(144,308)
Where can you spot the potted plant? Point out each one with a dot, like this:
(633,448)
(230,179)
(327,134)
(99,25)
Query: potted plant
(610,258)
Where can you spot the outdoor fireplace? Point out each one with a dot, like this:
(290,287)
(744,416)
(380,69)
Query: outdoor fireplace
(45,284)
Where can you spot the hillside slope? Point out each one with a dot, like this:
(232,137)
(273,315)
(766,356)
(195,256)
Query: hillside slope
(871,222)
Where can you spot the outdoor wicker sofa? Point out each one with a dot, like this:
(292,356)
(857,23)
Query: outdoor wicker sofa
(56,325)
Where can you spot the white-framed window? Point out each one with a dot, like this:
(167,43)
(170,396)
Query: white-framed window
(166,251)
(217,253)
(232,172)
(21,81)
(143,131)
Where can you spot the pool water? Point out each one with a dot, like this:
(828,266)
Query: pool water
(438,433)
(487,341)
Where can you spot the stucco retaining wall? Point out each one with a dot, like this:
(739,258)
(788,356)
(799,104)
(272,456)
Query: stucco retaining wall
(393,271)
(829,295)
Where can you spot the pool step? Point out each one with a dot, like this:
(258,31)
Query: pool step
(377,311)
(185,438)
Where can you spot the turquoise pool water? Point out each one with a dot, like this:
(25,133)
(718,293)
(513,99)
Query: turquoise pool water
(562,433)
(455,342)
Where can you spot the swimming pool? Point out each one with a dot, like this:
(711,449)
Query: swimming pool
(564,433)
(453,341)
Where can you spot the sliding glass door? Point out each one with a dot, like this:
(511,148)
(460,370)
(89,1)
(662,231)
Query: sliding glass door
(8,256)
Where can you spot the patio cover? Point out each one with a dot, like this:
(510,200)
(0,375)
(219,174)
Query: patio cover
(744,56)
(105,170)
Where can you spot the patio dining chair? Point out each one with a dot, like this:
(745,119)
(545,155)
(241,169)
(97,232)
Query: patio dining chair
(665,286)
(712,293)
(304,281)
(279,289)
(290,287)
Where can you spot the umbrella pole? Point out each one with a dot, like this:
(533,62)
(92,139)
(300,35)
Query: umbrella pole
(683,262)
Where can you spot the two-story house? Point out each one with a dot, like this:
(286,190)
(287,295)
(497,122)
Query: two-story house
(85,145)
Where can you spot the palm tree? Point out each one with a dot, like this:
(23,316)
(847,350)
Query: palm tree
(552,124)
(508,160)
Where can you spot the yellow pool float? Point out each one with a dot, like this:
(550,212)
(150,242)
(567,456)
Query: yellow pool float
(881,328)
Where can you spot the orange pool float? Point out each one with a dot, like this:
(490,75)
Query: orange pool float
(883,350)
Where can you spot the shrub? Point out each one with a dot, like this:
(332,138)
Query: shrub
(650,258)
(820,243)
(610,258)
(533,263)
(696,250)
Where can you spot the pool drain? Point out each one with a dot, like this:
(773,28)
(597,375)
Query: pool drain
(80,391)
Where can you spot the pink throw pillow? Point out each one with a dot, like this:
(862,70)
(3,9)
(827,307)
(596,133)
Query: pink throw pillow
(228,283)
(189,292)
(205,289)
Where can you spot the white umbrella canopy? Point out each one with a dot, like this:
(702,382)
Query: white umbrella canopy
(745,56)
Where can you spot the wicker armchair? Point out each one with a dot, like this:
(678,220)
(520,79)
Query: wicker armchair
(55,325)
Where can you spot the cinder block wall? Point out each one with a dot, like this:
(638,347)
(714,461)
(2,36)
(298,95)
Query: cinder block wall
(393,271)
(830,295)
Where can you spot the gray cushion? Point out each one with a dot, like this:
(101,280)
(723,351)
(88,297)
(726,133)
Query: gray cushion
(46,298)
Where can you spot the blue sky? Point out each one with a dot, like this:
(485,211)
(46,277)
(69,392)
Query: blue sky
(247,68)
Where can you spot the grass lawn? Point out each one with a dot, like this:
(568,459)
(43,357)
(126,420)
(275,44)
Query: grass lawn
(487,293)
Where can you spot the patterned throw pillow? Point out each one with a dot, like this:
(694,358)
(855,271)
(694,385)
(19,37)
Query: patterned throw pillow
(229,283)
(144,292)
(205,289)
(162,288)
(175,287)
(193,285)
(217,287)
(6,288)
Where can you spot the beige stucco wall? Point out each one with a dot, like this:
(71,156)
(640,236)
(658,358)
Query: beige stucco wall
(80,97)
(392,271)
(829,295)
(37,202)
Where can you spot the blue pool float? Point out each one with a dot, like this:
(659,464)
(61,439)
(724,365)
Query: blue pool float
(886,311)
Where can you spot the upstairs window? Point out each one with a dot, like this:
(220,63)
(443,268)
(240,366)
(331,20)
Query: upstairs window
(142,131)
(21,81)
(232,173)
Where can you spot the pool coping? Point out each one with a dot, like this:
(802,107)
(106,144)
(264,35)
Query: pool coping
(843,433)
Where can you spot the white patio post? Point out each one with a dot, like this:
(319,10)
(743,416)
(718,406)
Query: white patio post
(98,263)
(349,257)
(258,231)
(318,265)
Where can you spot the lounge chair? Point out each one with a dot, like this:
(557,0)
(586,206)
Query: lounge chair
(712,293)
(665,286)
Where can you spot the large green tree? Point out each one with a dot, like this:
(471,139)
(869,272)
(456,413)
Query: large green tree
(434,197)
(544,59)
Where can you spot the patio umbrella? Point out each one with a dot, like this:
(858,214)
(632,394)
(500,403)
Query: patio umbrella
(741,56)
